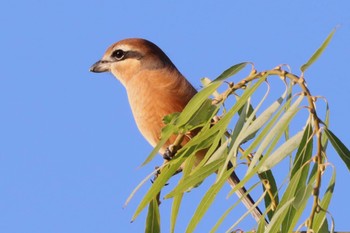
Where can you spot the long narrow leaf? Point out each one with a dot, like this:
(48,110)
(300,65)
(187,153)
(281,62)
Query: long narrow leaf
(281,152)
(304,152)
(146,179)
(276,132)
(321,216)
(175,211)
(239,134)
(207,200)
(153,218)
(246,213)
(318,52)
(231,71)
(263,133)
(326,122)
(341,149)
(301,164)
(262,119)
(267,175)
(167,131)
(275,224)
(227,118)
(295,212)
(204,94)
(205,82)
(195,178)
(178,198)
(229,210)
(196,102)
(159,183)
(294,188)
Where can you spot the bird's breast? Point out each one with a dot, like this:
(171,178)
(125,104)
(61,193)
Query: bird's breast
(152,98)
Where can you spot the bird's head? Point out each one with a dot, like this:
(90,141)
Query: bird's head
(128,57)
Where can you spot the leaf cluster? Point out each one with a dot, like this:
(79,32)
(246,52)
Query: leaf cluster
(257,134)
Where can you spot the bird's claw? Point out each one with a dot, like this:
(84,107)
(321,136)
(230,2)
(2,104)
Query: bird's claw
(168,154)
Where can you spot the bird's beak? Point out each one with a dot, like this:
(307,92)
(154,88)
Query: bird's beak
(100,66)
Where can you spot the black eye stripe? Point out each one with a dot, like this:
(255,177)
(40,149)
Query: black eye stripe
(122,55)
(118,54)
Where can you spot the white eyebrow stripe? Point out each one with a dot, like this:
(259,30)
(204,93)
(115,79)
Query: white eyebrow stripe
(123,47)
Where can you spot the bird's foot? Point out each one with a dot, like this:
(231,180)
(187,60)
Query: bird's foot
(170,152)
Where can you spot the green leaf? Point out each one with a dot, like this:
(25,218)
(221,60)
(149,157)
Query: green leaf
(290,194)
(267,175)
(289,96)
(225,214)
(325,228)
(261,120)
(171,118)
(340,148)
(207,200)
(276,132)
(281,152)
(240,134)
(166,173)
(302,196)
(206,82)
(197,177)
(175,211)
(318,53)
(275,224)
(241,120)
(204,114)
(231,71)
(261,226)
(220,152)
(146,179)
(252,146)
(195,103)
(167,131)
(302,166)
(304,152)
(153,218)
(326,123)
(238,105)
(321,216)
(263,133)
(178,198)
(204,94)
(247,213)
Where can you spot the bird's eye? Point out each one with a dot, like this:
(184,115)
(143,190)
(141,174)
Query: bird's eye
(118,54)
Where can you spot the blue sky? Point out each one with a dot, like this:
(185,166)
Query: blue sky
(69,148)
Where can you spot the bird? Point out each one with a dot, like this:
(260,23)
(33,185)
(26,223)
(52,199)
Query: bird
(155,89)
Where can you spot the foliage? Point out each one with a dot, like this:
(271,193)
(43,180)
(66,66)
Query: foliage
(260,133)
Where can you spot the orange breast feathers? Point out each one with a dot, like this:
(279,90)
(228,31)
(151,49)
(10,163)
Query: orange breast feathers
(154,94)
